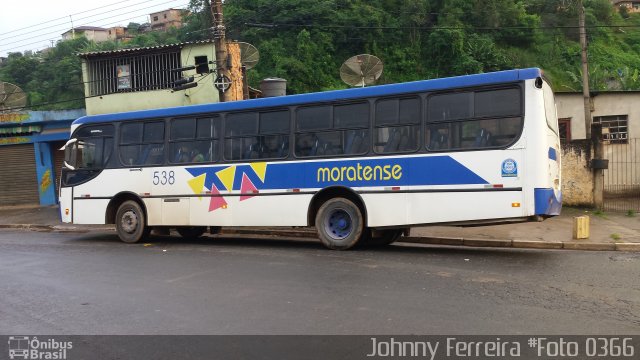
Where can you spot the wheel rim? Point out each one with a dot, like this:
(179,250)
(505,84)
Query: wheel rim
(338,224)
(129,221)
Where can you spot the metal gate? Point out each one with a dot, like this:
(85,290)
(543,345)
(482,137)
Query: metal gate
(18,179)
(622,178)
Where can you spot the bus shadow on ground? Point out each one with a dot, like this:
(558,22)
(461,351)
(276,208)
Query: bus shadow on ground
(230,241)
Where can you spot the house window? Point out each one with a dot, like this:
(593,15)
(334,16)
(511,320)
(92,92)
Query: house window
(155,18)
(165,16)
(615,128)
(202,64)
(564,125)
(144,73)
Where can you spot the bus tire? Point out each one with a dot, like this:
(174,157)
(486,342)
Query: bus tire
(130,222)
(340,224)
(386,237)
(191,232)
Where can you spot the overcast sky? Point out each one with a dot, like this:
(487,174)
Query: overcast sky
(31,25)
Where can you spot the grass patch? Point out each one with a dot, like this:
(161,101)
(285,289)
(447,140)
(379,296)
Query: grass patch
(599,213)
(631,213)
(615,237)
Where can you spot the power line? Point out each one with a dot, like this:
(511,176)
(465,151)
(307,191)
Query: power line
(97,81)
(104,25)
(66,22)
(64,17)
(280,25)
(56,32)
(86,97)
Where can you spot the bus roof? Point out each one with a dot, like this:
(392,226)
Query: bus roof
(355,93)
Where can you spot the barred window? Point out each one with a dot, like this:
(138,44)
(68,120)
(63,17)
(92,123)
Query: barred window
(133,73)
(615,128)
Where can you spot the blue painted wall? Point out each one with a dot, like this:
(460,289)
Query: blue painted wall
(55,127)
(45,173)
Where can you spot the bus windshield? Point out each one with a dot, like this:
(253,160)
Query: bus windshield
(91,149)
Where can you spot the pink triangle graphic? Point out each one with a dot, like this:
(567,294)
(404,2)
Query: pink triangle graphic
(217,202)
(247,187)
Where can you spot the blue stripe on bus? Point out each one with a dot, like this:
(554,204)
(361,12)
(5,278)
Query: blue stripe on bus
(553,154)
(412,171)
(381,90)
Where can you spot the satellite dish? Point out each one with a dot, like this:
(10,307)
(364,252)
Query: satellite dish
(361,70)
(11,97)
(249,55)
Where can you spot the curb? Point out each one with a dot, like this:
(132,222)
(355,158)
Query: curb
(427,240)
(59,228)
(522,244)
(27,226)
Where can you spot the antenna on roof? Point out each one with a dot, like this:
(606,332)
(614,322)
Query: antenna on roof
(11,97)
(361,70)
(249,55)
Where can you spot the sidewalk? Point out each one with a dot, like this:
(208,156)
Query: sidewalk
(609,231)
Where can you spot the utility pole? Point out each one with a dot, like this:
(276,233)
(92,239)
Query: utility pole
(585,71)
(597,164)
(220,43)
(73,30)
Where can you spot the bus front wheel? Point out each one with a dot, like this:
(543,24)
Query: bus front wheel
(340,224)
(130,222)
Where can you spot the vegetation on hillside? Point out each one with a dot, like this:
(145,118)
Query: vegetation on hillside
(306,41)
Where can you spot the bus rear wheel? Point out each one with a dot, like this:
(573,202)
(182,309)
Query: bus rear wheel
(130,222)
(191,232)
(340,224)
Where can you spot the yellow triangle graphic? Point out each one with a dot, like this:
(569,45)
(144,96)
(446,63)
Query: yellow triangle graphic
(226,176)
(260,169)
(197,184)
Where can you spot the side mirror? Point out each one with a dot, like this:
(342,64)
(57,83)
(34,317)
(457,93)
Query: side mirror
(68,166)
(66,148)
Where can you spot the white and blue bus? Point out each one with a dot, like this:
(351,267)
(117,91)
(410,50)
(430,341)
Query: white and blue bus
(361,165)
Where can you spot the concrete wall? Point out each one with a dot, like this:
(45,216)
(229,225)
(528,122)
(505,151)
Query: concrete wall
(97,35)
(577,179)
(204,93)
(166,19)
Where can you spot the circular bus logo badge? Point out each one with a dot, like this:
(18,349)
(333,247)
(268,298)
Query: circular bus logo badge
(509,168)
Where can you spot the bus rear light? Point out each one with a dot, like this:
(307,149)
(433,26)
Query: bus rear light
(66,211)
(515,204)
(86,196)
(498,186)
(145,194)
(295,190)
(393,188)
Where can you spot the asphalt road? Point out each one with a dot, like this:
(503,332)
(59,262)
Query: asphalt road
(90,283)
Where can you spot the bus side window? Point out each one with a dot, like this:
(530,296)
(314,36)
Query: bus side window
(474,119)
(397,123)
(438,137)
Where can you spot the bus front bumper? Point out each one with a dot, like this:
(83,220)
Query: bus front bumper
(548,202)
